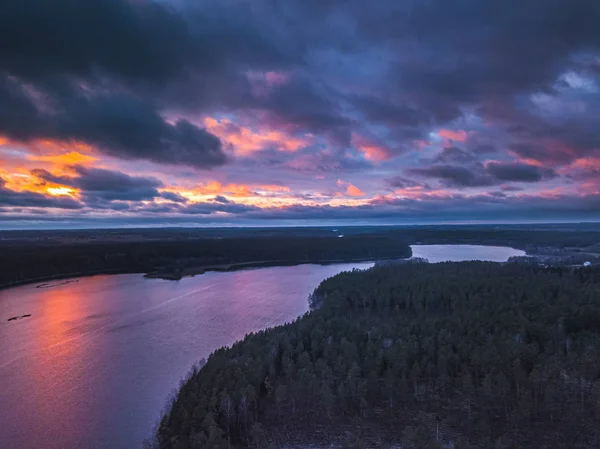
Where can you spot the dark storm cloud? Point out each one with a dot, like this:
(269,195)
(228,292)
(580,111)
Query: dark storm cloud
(512,171)
(482,55)
(298,105)
(112,73)
(99,71)
(211,208)
(479,175)
(133,40)
(124,127)
(119,125)
(221,199)
(18,114)
(385,111)
(455,155)
(400,182)
(10,198)
(456,176)
(106,185)
(175,197)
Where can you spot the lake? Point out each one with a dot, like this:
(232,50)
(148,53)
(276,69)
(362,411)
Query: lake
(458,253)
(93,365)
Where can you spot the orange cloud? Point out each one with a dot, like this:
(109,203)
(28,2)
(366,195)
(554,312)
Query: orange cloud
(354,191)
(245,141)
(371,150)
(351,190)
(71,158)
(273,188)
(25,182)
(59,191)
(201,192)
(459,135)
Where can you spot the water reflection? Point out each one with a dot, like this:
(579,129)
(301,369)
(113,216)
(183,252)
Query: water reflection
(92,366)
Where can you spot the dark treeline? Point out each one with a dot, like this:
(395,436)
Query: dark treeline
(35,255)
(576,235)
(478,355)
(23,261)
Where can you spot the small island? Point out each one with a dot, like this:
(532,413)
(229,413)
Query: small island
(19,317)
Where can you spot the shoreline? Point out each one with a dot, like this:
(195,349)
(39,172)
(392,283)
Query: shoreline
(541,253)
(196,271)
(238,266)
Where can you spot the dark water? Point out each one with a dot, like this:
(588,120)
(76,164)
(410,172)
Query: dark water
(93,365)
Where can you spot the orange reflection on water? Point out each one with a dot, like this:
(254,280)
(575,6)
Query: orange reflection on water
(60,357)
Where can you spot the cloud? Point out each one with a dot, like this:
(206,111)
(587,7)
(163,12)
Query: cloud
(480,175)
(155,42)
(221,199)
(514,171)
(455,176)
(117,125)
(352,190)
(106,185)
(400,182)
(454,155)
(108,88)
(173,196)
(373,150)
(11,198)
(459,135)
(451,97)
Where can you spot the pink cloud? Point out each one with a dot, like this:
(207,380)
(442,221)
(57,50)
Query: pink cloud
(372,150)
(458,135)
(246,141)
(351,189)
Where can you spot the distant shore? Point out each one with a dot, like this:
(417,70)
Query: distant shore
(198,270)
(187,272)
(27,258)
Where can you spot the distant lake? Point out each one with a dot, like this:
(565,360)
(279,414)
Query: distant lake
(93,365)
(458,253)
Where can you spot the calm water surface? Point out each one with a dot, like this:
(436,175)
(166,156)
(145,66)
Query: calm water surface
(93,365)
(458,253)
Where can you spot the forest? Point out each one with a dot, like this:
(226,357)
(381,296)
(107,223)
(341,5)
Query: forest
(24,260)
(29,256)
(461,355)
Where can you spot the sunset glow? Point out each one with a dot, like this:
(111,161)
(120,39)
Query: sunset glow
(295,121)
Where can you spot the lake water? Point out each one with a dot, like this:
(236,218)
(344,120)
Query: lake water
(458,253)
(93,365)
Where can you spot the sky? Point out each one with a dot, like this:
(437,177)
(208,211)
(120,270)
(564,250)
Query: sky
(268,112)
